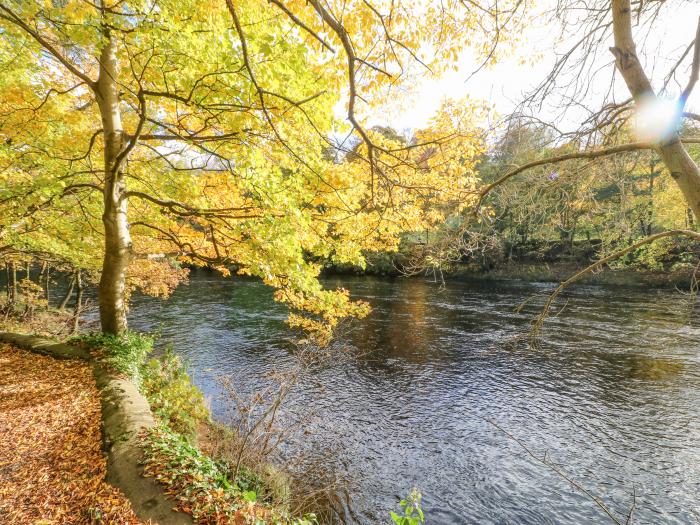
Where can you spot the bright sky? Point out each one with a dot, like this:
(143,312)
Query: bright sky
(504,84)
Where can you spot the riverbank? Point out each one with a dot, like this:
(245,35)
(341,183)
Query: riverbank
(561,271)
(665,265)
(146,421)
(537,271)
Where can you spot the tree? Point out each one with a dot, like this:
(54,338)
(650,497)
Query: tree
(604,132)
(601,127)
(183,135)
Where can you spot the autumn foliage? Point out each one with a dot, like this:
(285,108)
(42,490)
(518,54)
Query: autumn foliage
(129,152)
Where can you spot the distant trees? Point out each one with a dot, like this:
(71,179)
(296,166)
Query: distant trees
(605,131)
(602,177)
(613,201)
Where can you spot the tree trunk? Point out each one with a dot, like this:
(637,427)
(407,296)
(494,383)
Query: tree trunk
(117,239)
(683,170)
(13,276)
(650,205)
(66,298)
(78,301)
(47,282)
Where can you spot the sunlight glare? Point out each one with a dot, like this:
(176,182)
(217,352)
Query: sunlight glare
(657,119)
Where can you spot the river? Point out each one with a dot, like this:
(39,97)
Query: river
(612,395)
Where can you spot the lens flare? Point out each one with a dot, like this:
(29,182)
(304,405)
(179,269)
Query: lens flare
(657,119)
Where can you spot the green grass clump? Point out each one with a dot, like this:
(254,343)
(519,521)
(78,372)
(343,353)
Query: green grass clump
(125,353)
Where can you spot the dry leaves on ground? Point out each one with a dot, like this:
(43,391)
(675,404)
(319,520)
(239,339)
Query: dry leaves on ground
(52,468)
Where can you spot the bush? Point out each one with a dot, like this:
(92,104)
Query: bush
(172,396)
(164,381)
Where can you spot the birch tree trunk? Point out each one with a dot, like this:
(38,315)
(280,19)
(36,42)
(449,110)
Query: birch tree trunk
(683,169)
(117,239)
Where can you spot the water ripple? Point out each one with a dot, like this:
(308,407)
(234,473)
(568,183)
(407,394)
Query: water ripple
(611,396)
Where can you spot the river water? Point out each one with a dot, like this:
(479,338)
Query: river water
(611,396)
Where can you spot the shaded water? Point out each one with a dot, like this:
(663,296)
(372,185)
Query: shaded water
(612,395)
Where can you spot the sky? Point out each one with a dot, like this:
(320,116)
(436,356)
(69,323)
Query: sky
(503,85)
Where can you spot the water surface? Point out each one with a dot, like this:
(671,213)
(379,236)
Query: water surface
(612,395)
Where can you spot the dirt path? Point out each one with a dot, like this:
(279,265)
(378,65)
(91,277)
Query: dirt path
(51,465)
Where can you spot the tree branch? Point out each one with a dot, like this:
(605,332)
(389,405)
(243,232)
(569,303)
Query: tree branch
(598,264)
(182,209)
(695,69)
(13,18)
(301,24)
(592,154)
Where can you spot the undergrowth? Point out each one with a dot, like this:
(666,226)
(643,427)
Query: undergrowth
(210,490)
(125,353)
(171,394)
(202,486)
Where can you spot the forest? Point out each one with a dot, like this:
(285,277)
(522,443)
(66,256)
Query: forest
(224,253)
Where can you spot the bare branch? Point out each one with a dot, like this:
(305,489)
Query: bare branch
(600,263)
(543,460)
(695,69)
(591,154)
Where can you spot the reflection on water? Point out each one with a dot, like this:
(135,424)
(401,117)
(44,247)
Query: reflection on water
(612,395)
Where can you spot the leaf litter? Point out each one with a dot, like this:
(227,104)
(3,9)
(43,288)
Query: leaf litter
(52,469)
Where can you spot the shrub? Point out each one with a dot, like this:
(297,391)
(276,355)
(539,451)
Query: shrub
(171,394)
(201,485)
(164,381)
